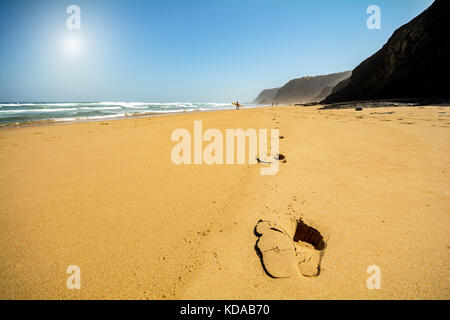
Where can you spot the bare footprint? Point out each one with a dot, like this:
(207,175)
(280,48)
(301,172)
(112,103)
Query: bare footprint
(280,158)
(287,246)
(277,157)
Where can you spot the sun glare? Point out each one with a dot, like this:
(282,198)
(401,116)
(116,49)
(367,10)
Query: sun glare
(73,45)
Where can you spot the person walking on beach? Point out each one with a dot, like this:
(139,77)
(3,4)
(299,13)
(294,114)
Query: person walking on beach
(237,105)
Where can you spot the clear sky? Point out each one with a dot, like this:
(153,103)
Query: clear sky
(183,50)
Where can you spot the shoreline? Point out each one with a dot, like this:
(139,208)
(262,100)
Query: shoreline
(37,123)
(319,107)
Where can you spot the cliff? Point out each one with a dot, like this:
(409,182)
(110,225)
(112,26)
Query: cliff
(414,63)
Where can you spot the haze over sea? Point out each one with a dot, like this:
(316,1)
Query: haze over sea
(36,112)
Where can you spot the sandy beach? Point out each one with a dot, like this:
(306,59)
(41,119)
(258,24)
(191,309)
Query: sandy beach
(105,196)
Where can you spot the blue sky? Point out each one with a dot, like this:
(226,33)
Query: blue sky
(183,50)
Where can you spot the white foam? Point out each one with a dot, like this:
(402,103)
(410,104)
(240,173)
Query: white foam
(56,104)
(99,108)
(37,110)
(118,115)
(76,111)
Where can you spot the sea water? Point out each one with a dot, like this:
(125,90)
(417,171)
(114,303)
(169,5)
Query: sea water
(36,112)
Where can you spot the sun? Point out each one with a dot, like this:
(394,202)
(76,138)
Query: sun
(73,45)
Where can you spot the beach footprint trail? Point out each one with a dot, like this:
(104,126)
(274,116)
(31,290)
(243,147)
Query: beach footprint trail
(278,157)
(287,247)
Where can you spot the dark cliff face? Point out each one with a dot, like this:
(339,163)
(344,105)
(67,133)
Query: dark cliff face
(266,96)
(302,90)
(414,63)
(306,89)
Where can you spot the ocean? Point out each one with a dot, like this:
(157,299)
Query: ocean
(48,112)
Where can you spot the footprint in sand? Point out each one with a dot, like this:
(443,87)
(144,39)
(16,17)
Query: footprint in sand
(277,157)
(287,246)
(280,158)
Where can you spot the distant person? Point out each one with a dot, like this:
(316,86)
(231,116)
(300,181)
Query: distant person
(237,105)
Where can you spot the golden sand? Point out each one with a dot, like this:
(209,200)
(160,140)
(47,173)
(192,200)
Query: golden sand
(105,196)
